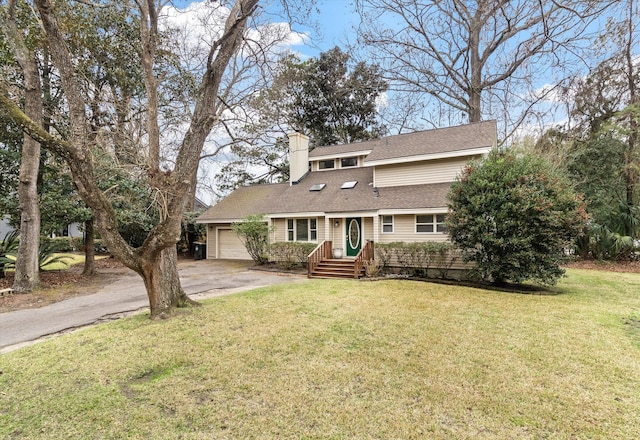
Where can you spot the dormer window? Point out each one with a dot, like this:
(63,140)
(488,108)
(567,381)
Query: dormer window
(326,164)
(347,162)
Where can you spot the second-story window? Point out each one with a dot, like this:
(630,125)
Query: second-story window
(347,162)
(326,164)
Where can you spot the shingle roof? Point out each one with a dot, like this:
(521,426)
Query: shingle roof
(244,201)
(439,140)
(332,150)
(284,199)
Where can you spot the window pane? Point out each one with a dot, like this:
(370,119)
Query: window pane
(349,162)
(424,228)
(442,227)
(387,228)
(387,219)
(302,229)
(313,229)
(325,164)
(424,219)
(290,224)
(440,218)
(290,235)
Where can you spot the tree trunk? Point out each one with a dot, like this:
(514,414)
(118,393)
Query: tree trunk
(633,100)
(27,277)
(156,259)
(162,281)
(89,249)
(475,81)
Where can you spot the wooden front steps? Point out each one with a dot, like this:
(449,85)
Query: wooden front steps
(335,268)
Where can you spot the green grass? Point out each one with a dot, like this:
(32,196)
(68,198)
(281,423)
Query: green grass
(332,359)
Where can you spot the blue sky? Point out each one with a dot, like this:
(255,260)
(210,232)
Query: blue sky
(336,21)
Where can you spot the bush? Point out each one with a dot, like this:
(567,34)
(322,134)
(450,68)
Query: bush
(47,257)
(514,216)
(417,259)
(8,246)
(60,244)
(254,233)
(289,254)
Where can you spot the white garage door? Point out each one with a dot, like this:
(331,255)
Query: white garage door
(230,247)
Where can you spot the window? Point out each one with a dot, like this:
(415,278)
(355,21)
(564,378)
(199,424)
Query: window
(387,224)
(302,229)
(326,164)
(424,223)
(441,225)
(290,230)
(347,162)
(431,223)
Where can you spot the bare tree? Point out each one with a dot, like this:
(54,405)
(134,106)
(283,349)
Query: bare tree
(475,57)
(155,259)
(27,276)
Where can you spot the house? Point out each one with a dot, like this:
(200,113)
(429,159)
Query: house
(386,190)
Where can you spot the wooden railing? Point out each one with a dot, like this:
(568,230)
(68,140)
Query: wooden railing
(323,250)
(365,254)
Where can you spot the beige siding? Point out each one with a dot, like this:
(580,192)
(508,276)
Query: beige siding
(404,229)
(418,173)
(367,229)
(279,232)
(211,239)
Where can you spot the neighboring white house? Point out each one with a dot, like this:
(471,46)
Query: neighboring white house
(386,190)
(72,230)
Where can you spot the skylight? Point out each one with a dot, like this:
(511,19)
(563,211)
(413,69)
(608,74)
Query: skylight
(318,187)
(349,185)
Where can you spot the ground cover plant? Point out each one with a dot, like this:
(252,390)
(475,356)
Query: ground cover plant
(346,359)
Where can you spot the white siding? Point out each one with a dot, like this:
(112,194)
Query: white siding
(418,173)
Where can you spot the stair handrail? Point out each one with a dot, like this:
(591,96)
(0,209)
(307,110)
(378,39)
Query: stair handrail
(365,254)
(323,250)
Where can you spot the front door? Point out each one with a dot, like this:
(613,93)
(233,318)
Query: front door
(354,236)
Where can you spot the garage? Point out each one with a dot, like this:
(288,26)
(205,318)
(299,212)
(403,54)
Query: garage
(230,247)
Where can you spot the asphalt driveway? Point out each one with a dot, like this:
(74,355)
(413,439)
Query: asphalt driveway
(200,279)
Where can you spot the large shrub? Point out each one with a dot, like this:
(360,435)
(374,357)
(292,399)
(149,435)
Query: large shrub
(514,216)
(254,233)
(289,254)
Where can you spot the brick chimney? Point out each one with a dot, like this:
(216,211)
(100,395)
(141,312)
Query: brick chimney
(298,156)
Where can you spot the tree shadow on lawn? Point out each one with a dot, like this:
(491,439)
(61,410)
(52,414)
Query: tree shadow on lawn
(525,289)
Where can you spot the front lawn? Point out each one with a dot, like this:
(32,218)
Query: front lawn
(345,359)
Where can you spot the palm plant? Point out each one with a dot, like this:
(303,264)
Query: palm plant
(47,256)
(8,246)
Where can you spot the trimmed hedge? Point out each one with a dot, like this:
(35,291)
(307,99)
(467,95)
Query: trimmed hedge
(428,259)
(289,254)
